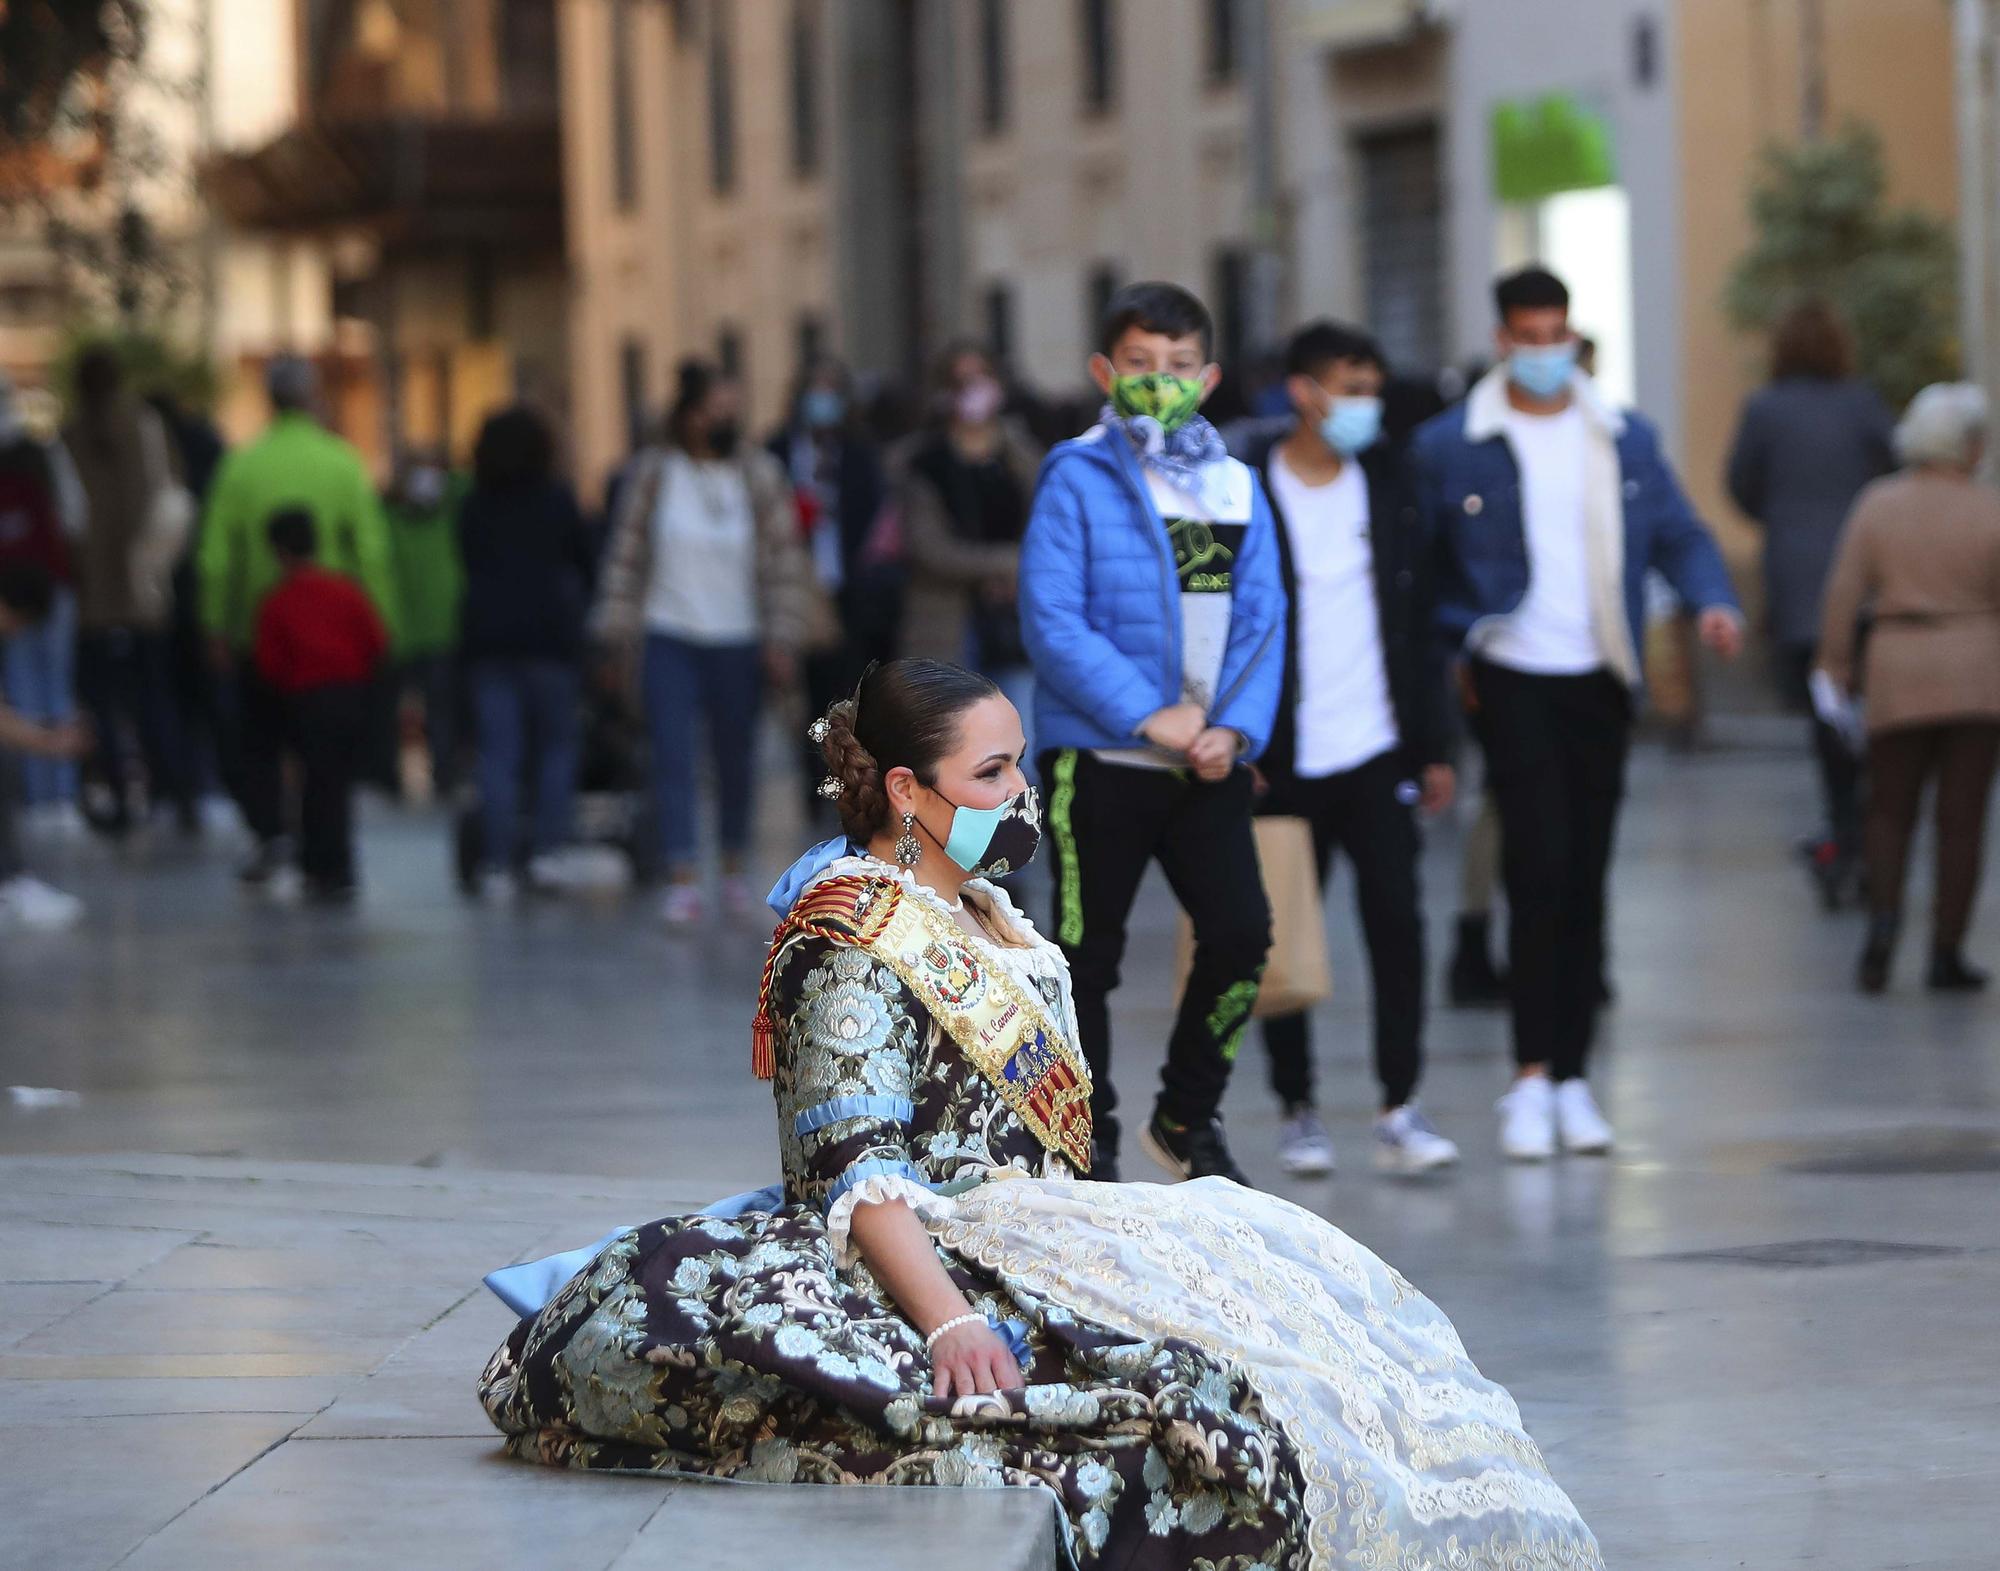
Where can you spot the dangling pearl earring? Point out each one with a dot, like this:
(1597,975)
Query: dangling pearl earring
(909,849)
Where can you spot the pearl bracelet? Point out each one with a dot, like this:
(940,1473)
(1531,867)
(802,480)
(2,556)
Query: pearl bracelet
(931,1341)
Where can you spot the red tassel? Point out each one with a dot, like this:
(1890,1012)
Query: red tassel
(826,910)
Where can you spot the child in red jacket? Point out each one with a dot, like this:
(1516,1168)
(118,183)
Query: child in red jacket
(318,644)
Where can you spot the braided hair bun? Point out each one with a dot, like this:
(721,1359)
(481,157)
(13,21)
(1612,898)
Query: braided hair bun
(863,804)
(903,715)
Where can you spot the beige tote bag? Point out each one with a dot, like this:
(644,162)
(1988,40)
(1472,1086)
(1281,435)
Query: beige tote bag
(1298,974)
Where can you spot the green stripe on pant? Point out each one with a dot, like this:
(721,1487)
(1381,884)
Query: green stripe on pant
(1069,892)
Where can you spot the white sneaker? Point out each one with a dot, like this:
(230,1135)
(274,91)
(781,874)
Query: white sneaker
(1405,1142)
(1584,1129)
(498,888)
(576,870)
(547,874)
(1305,1149)
(29,903)
(682,905)
(56,820)
(1528,1120)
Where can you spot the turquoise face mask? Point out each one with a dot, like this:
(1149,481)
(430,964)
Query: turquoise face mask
(991,842)
(1352,426)
(1543,372)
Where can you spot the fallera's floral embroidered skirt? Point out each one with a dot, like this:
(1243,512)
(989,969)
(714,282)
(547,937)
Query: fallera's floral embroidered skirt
(1217,1379)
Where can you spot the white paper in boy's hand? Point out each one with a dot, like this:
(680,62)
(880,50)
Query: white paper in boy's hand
(1836,709)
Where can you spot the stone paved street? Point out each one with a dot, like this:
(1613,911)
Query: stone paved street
(240,1312)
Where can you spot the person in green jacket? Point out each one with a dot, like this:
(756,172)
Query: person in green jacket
(296,463)
(430,581)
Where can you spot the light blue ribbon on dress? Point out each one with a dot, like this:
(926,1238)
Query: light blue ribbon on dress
(795,879)
(527,1288)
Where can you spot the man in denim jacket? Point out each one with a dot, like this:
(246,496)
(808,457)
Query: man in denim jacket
(1548,507)
(1152,610)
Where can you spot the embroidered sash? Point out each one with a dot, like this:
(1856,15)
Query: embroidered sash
(1001,1027)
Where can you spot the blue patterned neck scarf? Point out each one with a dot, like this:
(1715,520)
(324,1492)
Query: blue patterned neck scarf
(1178,458)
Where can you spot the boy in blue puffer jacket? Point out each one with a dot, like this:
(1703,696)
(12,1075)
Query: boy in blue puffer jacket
(1152,608)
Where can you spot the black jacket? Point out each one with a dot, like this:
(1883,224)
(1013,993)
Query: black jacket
(527,573)
(1401,554)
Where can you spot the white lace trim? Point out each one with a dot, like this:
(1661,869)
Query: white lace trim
(929,1205)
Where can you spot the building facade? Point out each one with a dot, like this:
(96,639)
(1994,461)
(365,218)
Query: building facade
(404,181)
(874,178)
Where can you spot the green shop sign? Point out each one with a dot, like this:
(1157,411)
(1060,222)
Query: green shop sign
(1542,146)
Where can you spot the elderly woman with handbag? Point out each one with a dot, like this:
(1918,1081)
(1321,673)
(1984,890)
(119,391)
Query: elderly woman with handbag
(1922,553)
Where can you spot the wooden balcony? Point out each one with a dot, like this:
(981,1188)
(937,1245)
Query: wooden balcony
(409,181)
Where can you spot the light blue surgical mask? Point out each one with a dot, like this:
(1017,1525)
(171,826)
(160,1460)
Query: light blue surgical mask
(1352,426)
(991,842)
(823,408)
(1543,371)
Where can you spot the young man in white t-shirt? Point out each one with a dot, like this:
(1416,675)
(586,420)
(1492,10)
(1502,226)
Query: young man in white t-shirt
(1549,507)
(1359,746)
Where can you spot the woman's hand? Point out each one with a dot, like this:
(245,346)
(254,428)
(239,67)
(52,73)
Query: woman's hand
(972,1360)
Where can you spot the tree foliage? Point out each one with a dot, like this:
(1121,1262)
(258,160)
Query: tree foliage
(153,362)
(45,47)
(1823,229)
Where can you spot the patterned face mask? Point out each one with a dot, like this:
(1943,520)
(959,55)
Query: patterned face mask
(991,842)
(1158,395)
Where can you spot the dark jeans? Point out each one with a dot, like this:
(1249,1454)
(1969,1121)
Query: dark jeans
(256,732)
(124,681)
(1362,811)
(1555,753)
(39,668)
(1839,765)
(689,687)
(11,865)
(525,711)
(326,729)
(1961,757)
(1107,821)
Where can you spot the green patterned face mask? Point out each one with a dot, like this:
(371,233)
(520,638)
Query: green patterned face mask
(1160,395)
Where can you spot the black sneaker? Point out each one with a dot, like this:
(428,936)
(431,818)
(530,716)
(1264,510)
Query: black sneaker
(1196,1151)
(1103,1160)
(1951,974)
(1873,972)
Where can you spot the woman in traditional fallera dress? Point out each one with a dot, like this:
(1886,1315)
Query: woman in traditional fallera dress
(1201,1375)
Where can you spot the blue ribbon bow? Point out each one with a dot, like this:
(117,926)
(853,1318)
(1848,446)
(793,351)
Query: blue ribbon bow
(795,879)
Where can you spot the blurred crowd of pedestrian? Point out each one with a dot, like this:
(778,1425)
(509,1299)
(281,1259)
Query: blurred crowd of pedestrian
(1451,570)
